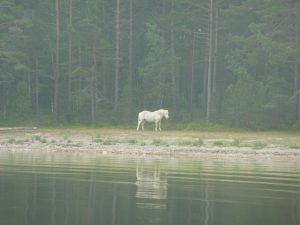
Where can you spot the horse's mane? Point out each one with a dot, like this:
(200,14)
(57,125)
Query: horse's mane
(161,112)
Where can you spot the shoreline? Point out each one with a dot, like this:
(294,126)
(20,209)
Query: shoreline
(127,150)
(132,143)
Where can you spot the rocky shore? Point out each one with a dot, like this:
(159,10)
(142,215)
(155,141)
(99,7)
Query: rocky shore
(125,142)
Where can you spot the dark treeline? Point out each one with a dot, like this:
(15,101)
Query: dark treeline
(232,62)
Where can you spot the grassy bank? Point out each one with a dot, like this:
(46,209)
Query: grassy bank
(179,138)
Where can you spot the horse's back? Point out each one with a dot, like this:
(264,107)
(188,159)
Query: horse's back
(148,116)
(142,114)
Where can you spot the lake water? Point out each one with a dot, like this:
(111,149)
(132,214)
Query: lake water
(85,189)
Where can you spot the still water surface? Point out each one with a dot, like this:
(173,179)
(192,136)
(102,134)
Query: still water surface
(86,189)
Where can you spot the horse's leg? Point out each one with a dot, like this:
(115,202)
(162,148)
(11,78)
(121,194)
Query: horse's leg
(143,122)
(138,126)
(156,123)
(159,125)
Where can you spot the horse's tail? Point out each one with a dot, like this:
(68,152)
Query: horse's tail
(140,120)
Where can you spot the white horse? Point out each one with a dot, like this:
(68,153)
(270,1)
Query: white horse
(155,117)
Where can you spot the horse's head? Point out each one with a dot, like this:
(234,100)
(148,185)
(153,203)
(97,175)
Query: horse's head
(166,114)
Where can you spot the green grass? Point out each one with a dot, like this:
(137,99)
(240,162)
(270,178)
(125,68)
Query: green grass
(111,141)
(20,142)
(197,142)
(257,145)
(130,141)
(97,140)
(236,143)
(293,146)
(11,141)
(218,143)
(108,142)
(142,143)
(159,142)
(44,140)
(37,138)
(40,139)
(17,142)
(108,136)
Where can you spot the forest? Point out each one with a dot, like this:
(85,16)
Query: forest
(228,62)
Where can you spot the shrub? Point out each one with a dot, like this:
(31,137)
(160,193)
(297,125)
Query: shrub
(236,143)
(197,142)
(131,141)
(218,143)
(258,145)
(294,146)
(159,142)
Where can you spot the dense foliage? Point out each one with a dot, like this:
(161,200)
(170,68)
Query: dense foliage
(102,61)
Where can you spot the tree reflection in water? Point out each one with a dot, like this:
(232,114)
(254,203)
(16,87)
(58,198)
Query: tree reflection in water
(73,190)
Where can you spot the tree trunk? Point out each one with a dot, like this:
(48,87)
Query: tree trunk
(205,70)
(53,202)
(130,72)
(91,200)
(214,90)
(29,86)
(207,205)
(114,205)
(36,87)
(209,72)
(70,54)
(116,101)
(173,64)
(191,102)
(79,82)
(93,86)
(56,75)
(296,68)
(296,90)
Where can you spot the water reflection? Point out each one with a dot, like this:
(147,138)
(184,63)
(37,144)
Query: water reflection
(151,187)
(70,189)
